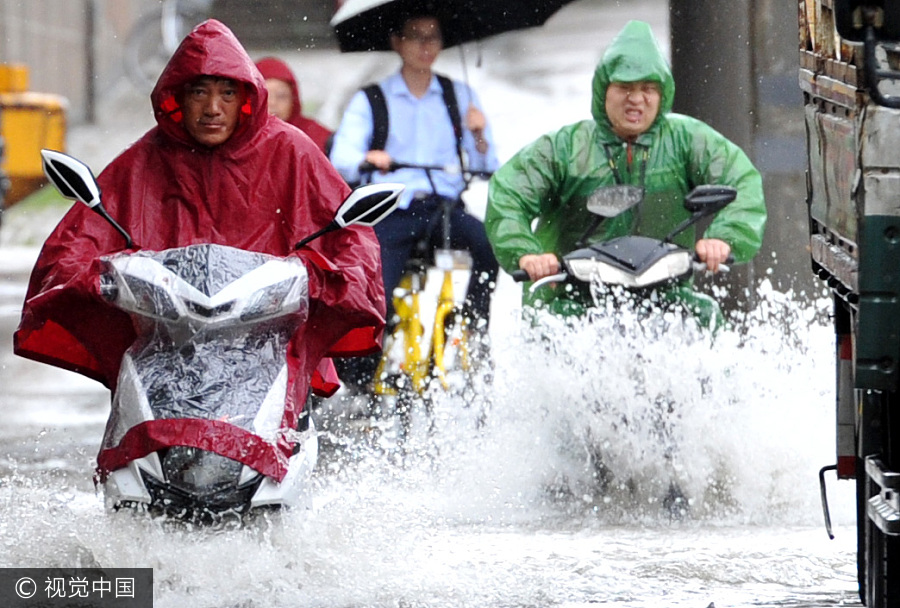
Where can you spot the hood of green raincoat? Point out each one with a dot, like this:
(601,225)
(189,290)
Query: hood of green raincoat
(634,55)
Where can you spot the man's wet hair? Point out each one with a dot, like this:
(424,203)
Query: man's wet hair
(426,12)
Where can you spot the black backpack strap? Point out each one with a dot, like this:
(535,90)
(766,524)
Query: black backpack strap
(379,116)
(380,124)
(453,111)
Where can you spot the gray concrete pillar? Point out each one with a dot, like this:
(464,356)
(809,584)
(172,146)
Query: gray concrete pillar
(735,67)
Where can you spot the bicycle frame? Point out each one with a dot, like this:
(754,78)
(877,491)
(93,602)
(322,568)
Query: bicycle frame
(446,306)
(410,328)
(423,360)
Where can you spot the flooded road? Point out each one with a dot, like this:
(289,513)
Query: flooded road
(509,514)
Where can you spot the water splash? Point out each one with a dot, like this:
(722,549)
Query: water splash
(609,415)
(553,496)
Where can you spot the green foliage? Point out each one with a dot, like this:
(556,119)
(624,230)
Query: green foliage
(28,222)
(46,196)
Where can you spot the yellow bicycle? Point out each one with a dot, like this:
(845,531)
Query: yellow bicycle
(432,354)
(417,351)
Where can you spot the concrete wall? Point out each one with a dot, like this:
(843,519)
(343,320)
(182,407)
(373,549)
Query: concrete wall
(71,47)
(75,47)
(735,65)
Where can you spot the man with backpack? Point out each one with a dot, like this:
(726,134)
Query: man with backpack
(418,117)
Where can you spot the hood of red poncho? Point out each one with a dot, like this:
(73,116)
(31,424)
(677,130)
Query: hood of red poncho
(211,49)
(270,67)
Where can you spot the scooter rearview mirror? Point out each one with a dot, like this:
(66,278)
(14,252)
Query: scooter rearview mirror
(366,206)
(369,204)
(74,180)
(610,201)
(708,199)
(71,177)
(702,202)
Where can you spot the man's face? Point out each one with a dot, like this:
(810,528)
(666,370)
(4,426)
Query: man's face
(632,107)
(419,43)
(211,109)
(281,98)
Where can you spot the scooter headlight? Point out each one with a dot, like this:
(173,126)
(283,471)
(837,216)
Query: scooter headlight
(589,269)
(671,266)
(200,484)
(198,472)
(150,300)
(270,301)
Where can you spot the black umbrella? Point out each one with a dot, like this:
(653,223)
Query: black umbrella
(366,25)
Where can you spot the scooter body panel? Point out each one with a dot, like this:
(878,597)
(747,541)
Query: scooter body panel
(213,325)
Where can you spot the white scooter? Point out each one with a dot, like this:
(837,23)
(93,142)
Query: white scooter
(213,323)
(635,263)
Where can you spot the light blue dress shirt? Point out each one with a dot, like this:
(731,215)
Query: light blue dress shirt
(419,132)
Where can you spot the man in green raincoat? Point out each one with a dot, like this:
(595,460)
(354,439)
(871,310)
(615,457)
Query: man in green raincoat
(633,139)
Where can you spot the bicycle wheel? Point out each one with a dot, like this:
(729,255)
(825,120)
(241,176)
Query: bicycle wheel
(394,383)
(467,370)
(145,54)
(155,36)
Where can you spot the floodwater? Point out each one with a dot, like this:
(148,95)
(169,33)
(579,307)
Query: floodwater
(553,496)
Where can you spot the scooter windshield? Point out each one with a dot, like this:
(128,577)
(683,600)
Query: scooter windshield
(213,326)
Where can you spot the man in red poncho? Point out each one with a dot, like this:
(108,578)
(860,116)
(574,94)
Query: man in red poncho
(284,100)
(215,169)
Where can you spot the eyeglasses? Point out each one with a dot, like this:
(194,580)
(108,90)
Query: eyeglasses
(419,38)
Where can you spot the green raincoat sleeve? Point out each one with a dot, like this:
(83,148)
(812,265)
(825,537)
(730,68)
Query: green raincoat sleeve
(716,160)
(521,191)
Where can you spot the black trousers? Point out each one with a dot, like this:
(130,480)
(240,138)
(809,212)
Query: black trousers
(399,233)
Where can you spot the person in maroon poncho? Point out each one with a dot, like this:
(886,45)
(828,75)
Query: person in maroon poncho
(284,100)
(215,169)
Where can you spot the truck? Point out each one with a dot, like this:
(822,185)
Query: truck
(850,79)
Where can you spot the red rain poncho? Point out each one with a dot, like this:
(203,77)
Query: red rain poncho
(271,67)
(262,190)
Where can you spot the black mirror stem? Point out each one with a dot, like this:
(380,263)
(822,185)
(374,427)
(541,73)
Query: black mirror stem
(697,215)
(313,236)
(129,244)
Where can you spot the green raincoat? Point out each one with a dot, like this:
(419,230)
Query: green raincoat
(550,180)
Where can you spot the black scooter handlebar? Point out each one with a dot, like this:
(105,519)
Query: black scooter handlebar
(520,276)
(367,167)
(723,267)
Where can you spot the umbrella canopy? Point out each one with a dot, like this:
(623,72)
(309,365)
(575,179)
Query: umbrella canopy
(366,25)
